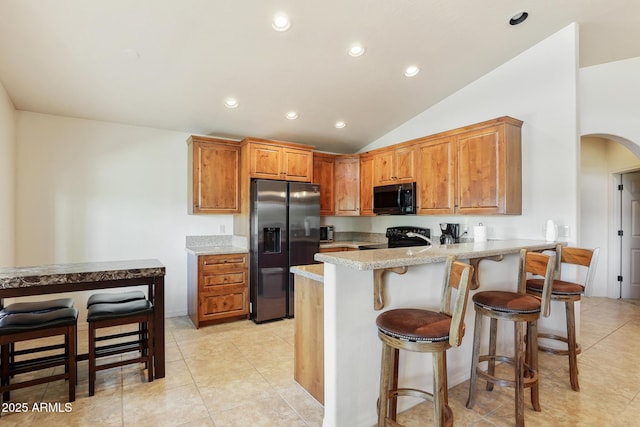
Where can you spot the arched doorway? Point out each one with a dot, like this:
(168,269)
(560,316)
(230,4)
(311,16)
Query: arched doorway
(604,161)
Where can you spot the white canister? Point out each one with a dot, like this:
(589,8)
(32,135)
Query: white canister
(479,233)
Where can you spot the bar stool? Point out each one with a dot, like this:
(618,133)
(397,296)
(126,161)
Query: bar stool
(117,314)
(524,310)
(568,292)
(35,307)
(425,332)
(24,326)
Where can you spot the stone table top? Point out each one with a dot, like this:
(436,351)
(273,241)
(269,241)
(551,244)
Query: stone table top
(40,275)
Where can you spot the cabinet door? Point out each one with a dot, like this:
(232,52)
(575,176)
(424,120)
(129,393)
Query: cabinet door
(366,185)
(297,165)
(230,303)
(384,173)
(347,187)
(265,161)
(395,166)
(323,174)
(489,170)
(215,176)
(436,183)
(404,164)
(481,171)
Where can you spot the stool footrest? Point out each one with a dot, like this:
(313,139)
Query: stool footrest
(37,350)
(414,392)
(559,351)
(113,349)
(121,363)
(530,375)
(120,335)
(37,364)
(36,381)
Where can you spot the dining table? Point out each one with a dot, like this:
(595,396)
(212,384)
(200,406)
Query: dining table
(87,276)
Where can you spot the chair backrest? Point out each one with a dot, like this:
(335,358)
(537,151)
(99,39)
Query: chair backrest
(578,256)
(456,275)
(538,264)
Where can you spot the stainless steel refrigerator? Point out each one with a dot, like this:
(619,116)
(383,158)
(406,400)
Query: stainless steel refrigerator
(285,231)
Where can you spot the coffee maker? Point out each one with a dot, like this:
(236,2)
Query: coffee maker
(450,233)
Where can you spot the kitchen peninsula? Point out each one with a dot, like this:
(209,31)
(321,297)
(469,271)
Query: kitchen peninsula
(408,277)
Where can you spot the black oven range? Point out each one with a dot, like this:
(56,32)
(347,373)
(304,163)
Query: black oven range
(397,238)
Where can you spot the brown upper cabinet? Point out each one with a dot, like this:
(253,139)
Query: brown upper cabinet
(395,166)
(214,167)
(279,160)
(366,184)
(475,170)
(347,188)
(324,166)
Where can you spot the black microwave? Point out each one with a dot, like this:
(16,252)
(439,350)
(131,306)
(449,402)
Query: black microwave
(395,199)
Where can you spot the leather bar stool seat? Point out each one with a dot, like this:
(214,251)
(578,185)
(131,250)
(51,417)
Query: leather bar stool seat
(117,314)
(569,293)
(19,327)
(37,306)
(423,331)
(524,310)
(115,298)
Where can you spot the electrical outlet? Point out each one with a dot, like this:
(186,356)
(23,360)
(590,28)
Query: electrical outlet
(563,231)
(222,228)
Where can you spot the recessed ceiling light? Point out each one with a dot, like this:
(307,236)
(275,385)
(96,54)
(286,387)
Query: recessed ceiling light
(340,124)
(518,18)
(356,49)
(281,22)
(292,115)
(231,103)
(411,71)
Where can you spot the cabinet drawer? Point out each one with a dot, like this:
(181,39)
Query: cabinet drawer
(215,279)
(225,305)
(226,261)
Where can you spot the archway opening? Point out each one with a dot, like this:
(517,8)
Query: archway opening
(603,161)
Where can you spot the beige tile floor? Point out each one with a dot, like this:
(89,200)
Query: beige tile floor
(241,374)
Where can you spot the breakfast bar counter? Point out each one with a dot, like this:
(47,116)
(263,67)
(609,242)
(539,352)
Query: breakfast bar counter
(358,284)
(59,278)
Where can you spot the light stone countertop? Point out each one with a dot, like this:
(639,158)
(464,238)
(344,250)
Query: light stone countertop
(216,250)
(397,257)
(311,271)
(346,244)
(216,245)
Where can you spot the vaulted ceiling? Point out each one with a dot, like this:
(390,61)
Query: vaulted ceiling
(172,64)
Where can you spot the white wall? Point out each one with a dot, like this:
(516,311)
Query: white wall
(96,191)
(608,108)
(539,87)
(7,179)
(609,96)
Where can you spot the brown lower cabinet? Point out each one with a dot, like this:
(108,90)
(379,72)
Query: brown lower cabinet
(308,368)
(217,288)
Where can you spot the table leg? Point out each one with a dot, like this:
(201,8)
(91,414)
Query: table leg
(158,303)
